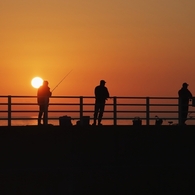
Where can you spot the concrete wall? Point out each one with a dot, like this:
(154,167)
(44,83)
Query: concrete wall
(97,160)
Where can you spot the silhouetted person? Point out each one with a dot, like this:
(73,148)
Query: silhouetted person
(43,95)
(184,97)
(101,95)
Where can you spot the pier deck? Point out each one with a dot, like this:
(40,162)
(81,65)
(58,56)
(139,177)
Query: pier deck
(97,160)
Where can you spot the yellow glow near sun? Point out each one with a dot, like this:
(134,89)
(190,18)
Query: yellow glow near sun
(36,82)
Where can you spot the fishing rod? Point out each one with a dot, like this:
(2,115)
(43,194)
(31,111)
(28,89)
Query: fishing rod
(61,81)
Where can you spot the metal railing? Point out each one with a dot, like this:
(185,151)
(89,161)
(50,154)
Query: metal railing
(17,110)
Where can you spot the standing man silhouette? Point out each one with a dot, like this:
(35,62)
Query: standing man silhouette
(43,95)
(101,95)
(184,97)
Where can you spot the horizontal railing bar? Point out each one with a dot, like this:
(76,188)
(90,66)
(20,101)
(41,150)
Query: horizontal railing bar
(19,111)
(122,118)
(23,104)
(69,111)
(118,104)
(130,104)
(111,97)
(106,111)
(152,111)
(77,104)
(164,105)
(158,111)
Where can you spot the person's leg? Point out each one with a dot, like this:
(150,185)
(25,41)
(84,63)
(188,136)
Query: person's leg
(102,106)
(40,114)
(185,113)
(45,115)
(96,109)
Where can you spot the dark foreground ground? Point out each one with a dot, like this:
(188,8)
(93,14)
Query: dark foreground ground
(97,160)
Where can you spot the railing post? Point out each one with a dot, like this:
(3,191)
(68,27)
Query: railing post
(81,110)
(147,111)
(9,110)
(115,110)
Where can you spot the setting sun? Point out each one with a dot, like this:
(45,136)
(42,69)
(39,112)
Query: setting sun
(36,82)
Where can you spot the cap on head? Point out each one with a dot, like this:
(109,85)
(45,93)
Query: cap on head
(185,85)
(102,81)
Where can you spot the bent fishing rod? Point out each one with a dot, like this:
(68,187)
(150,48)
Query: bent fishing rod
(61,81)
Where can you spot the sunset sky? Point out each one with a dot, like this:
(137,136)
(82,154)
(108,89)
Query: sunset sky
(140,47)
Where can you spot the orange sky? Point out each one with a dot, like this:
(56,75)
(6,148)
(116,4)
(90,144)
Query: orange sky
(141,48)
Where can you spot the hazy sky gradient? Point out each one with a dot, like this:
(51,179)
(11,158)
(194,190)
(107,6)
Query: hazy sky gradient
(141,48)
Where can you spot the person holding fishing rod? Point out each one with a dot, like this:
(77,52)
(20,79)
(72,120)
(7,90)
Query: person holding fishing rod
(43,95)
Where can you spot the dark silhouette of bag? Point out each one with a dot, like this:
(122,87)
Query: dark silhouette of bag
(85,121)
(65,121)
(137,121)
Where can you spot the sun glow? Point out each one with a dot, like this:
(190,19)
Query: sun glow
(36,82)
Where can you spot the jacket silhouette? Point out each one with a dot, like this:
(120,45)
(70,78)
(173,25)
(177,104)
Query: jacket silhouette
(43,95)
(101,95)
(184,97)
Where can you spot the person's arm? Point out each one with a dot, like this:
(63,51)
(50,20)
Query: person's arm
(108,95)
(49,92)
(95,91)
(179,93)
(190,95)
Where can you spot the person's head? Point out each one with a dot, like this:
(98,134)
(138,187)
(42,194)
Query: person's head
(45,83)
(102,82)
(184,85)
